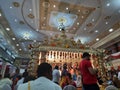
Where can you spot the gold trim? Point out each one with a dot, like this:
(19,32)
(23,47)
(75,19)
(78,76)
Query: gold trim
(29,85)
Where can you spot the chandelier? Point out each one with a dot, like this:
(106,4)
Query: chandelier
(61,27)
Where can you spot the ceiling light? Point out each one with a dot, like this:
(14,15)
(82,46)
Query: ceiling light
(82,16)
(54,6)
(0,14)
(8,29)
(44,17)
(108,4)
(93,19)
(106,22)
(66,8)
(84,28)
(97,39)
(10,6)
(96,31)
(78,10)
(20,49)
(13,38)
(110,30)
(15,20)
(17,44)
(78,23)
(30,10)
(34,40)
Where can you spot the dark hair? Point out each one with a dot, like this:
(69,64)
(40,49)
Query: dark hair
(85,54)
(29,78)
(25,74)
(6,75)
(43,69)
(56,67)
(69,75)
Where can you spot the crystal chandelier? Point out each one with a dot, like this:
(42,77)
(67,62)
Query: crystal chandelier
(61,27)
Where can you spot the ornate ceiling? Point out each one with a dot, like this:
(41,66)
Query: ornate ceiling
(24,22)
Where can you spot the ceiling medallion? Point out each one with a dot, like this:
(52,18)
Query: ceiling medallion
(89,25)
(21,22)
(107,17)
(16,4)
(86,12)
(46,4)
(62,20)
(31,16)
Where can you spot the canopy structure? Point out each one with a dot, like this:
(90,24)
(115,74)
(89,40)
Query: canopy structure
(60,50)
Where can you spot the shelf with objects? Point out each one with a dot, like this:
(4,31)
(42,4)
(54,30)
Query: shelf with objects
(60,49)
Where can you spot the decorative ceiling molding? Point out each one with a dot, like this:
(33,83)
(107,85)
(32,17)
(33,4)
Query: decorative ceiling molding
(107,38)
(115,27)
(16,4)
(46,7)
(35,4)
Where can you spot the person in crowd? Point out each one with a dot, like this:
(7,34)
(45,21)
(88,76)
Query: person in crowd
(15,77)
(99,78)
(25,78)
(68,81)
(0,76)
(24,75)
(60,71)
(69,87)
(111,86)
(116,81)
(74,75)
(44,80)
(64,73)
(63,81)
(56,75)
(119,74)
(79,79)
(6,83)
(89,79)
(29,78)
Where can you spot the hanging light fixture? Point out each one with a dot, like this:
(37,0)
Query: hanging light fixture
(61,27)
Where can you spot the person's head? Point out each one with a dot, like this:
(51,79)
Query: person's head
(86,55)
(56,67)
(29,78)
(6,75)
(45,69)
(69,75)
(65,66)
(17,71)
(25,74)
(0,76)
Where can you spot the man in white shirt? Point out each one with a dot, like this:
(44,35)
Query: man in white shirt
(56,74)
(43,82)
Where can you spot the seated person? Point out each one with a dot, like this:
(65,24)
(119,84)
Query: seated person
(110,86)
(69,87)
